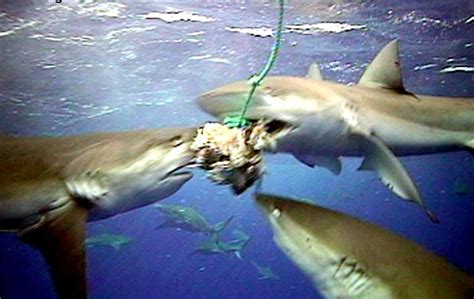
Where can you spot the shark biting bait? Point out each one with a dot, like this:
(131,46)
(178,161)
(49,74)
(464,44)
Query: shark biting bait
(232,155)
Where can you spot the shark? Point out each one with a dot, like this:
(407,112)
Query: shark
(113,240)
(349,258)
(50,187)
(189,219)
(216,246)
(319,121)
(265,272)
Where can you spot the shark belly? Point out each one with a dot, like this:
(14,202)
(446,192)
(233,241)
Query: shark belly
(405,137)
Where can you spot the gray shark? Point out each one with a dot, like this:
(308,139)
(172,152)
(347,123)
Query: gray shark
(51,186)
(348,258)
(111,240)
(265,272)
(187,218)
(216,246)
(319,121)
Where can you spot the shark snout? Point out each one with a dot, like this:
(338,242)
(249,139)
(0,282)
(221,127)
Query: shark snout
(270,205)
(227,99)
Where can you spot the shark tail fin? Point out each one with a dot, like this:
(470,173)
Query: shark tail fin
(220,226)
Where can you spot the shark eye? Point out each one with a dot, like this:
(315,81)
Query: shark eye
(276,212)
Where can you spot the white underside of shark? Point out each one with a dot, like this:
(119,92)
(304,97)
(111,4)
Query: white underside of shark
(377,119)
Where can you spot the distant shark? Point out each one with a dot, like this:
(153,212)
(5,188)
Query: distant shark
(216,246)
(265,272)
(187,218)
(50,187)
(113,240)
(319,121)
(348,258)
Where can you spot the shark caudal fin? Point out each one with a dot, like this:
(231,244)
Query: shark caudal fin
(61,242)
(218,227)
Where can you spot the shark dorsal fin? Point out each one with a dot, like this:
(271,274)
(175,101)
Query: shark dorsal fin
(385,71)
(61,242)
(314,72)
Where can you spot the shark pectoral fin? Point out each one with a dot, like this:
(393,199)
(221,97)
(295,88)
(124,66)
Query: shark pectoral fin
(385,71)
(314,72)
(378,157)
(116,247)
(238,254)
(333,164)
(61,242)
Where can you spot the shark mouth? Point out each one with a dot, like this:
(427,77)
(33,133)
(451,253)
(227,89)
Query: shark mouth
(275,129)
(234,156)
(176,172)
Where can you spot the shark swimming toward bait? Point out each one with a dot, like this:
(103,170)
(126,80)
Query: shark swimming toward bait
(51,186)
(188,219)
(319,121)
(349,258)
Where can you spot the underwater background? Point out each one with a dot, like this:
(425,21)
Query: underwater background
(77,67)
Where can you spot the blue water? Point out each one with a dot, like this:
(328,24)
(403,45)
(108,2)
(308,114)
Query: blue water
(68,70)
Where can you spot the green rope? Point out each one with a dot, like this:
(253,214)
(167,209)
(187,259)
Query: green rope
(255,81)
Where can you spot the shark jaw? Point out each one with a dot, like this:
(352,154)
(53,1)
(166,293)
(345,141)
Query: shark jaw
(348,258)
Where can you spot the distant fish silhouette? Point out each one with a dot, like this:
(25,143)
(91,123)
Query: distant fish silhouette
(187,218)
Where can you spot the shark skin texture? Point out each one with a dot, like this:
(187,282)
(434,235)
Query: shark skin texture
(377,119)
(349,258)
(51,186)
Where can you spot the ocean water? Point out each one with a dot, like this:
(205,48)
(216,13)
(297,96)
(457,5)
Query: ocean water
(71,68)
